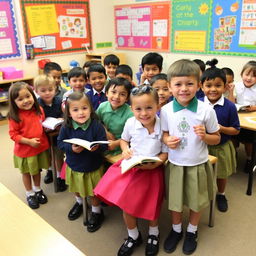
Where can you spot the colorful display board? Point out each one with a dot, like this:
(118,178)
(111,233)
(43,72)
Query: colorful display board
(143,26)
(9,40)
(55,27)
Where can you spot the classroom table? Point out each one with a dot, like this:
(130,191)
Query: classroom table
(25,233)
(244,123)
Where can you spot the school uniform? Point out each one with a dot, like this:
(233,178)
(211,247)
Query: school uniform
(54,109)
(96,98)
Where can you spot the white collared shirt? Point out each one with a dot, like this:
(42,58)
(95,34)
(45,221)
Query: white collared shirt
(219,102)
(244,95)
(96,92)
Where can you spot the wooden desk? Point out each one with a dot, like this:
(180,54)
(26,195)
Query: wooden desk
(249,126)
(24,233)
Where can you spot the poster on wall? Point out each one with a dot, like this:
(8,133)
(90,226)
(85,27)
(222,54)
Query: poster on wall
(143,26)
(55,27)
(9,40)
(190,25)
(234,27)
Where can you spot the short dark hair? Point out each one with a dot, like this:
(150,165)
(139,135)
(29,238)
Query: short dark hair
(213,72)
(152,58)
(200,63)
(48,67)
(87,64)
(111,59)
(228,71)
(160,76)
(124,69)
(119,81)
(76,72)
(96,68)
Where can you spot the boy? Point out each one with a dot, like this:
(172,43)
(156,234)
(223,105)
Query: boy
(54,70)
(125,72)
(111,62)
(45,87)
(229,81)
(201,64)
(151,64)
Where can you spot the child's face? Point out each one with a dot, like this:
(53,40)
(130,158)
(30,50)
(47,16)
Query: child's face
(110,70)
(184,88)
(248,78)
(25,100)
(127,77)
(77,83)
(163,91)
(56,75)
(213,89)
(117,96)
(151,70)
(97,80)
(46,92)
(144,108)
(80,110)
(229,79)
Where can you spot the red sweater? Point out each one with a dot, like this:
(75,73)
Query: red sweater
(29,127)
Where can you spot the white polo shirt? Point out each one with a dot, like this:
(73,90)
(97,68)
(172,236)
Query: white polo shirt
(244,95)
(192,150)
(141,142)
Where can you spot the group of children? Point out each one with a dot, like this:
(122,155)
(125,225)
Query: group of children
(162,117)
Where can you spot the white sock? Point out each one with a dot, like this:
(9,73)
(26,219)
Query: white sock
(191,228)
(221,193)
(30,193)
(79,199)
(153,231)
(37,188)
(176,227)
(96,209)
(49,169)
(58,174)
(133,233)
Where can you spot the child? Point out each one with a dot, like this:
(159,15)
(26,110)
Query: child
(45,88)
(124,71)
(151,64)
(188,126)
(114,112)
(54,70)
(161,85)
(213,84)
(201,64)
(139,192)
(245,92)
(229,80)
(111,62)
(98,79)
(31,144)
(85,167)
(77,79)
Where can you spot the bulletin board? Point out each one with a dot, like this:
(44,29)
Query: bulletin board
(9,40)
(55,27)
(143,26)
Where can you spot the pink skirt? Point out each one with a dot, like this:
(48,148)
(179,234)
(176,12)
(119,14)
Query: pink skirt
(137,192)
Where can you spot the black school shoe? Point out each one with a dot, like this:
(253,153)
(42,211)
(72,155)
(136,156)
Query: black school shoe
(61,185)
(222,203)
(172,241)
(48,177)
(95,221)
(248,166)
(190,243)
(41,197)
(33,202)
(152,246)
(75,211)
(128,246)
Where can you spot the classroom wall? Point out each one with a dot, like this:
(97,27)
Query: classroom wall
(102,20)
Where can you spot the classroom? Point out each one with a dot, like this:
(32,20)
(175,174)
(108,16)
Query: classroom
(72,32)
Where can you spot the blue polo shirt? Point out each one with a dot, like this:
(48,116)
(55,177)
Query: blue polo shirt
(53,110)
(226,114)
(96,98)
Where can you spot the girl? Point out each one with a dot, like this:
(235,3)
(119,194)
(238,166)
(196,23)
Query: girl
(188,125)
(31,143)
(245,92)
(213,84)
(84,167)
(115,112)
(141,136)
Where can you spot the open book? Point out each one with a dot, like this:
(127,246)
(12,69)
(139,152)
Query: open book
(86,144)
(127,164)
(241,108)
(52,122)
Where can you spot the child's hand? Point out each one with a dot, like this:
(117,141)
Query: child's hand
(34,142)
(110,136)
(200,131)
(94,148)
(172,142)
(230,87)
(127,153)
(77,148)
(112,145)
(148,166)
(143,78)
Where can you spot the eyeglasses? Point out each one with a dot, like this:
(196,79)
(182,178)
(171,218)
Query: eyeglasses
(141,89)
